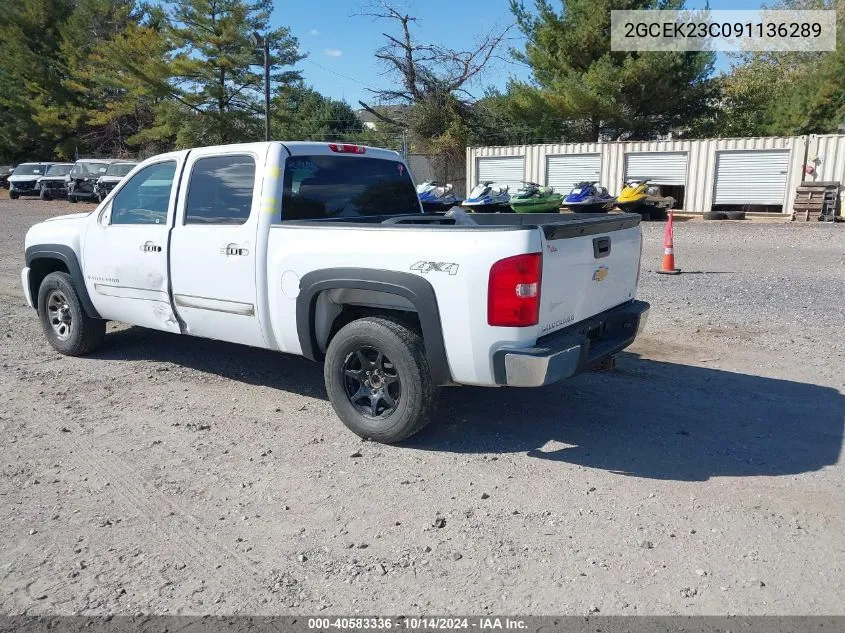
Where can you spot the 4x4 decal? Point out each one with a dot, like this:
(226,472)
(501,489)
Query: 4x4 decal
(436,267)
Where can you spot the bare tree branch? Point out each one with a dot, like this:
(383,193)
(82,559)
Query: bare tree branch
(379,115)
(427,70)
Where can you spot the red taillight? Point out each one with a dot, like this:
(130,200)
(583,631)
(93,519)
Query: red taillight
(348,149)
(513,294)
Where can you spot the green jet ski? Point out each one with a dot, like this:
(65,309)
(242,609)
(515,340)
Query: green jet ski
(532,198)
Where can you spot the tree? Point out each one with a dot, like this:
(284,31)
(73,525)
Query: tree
(433,79)
(214,72)
(783,93)
(129,74)
(583,91)
(92,26)
(303,113)
(29,50)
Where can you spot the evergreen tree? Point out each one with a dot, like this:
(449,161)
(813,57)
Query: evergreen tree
(584,91)
(216,73)
(30,44)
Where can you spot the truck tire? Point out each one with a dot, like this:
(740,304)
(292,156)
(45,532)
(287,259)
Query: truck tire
(72,199)
(378,379)
(13,195)
(44,195)
(68,329)
(735,215)
(715,215)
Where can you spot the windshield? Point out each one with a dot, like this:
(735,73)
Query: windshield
(120,169)
(59,170)
(478,190)
(346,186)
(29,169)
(89,169)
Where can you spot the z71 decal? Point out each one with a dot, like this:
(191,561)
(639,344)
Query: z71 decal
(436,267)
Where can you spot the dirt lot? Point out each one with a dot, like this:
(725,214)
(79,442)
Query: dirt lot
(174,475)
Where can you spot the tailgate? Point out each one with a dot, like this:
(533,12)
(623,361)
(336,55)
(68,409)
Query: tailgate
(590,264)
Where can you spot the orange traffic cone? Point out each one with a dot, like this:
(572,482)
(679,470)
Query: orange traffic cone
(667,267)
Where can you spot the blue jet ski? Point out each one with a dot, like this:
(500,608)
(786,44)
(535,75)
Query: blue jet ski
(436,197)
(485,195)
(586,197)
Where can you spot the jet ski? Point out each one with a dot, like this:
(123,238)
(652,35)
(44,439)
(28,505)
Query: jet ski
(639,196)
(586,197)
(436,197)
(533,198)
(484,195)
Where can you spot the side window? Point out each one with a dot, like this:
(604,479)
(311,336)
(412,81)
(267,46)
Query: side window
(144,199)
(220,190)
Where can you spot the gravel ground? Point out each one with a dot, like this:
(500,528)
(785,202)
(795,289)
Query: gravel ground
(702,476)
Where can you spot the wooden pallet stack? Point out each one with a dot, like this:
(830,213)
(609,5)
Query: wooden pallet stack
(815,199)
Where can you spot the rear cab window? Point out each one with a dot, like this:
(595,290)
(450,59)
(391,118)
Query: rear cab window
(220,190)
(326,186)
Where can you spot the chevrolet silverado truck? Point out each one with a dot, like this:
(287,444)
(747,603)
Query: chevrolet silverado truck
(322,250)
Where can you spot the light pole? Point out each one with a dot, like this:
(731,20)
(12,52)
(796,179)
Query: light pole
(261,42)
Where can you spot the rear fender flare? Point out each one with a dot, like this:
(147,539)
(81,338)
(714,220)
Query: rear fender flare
(413,288)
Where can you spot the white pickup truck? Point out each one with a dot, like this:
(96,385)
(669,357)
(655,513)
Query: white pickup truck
(322,250)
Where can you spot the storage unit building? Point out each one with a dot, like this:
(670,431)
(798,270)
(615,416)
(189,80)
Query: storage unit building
(759,173)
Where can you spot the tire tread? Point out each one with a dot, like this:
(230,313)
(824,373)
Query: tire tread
(425,399)
(91,332)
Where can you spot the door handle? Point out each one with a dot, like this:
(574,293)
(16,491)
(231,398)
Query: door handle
(234,250)
(149,247)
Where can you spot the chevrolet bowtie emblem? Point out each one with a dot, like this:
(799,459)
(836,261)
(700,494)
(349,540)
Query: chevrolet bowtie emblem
(600,273)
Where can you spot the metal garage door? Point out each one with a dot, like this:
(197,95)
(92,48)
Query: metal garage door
(751,176)
(503,170)
(563,172)
(662,168)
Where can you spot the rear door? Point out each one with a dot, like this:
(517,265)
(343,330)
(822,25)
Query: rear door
(589,266)
(213,246)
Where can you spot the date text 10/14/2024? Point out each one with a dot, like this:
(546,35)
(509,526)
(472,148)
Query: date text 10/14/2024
(416,623)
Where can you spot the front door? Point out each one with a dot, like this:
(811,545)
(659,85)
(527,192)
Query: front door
(214,244)
(124,254)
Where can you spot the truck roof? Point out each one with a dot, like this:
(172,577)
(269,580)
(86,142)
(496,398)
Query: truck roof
(304,148)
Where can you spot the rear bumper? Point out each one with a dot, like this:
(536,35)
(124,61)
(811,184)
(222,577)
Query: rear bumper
(572,350)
